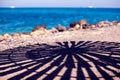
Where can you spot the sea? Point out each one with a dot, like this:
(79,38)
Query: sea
(17,20)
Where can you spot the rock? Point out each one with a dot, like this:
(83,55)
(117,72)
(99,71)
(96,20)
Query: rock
(85,26)
(83,22)
(72,25)
(1,38)
(77,26)
(54,30)
(6,36)
(108,24)
(91,26)
(118,24)
(60,28)
(40,27)
(115,22)
(100,24)
(111,24)
(71,29)
(24,35)
(38,32)
(15,36)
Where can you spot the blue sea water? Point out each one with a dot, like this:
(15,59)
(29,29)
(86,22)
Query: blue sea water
(25,19)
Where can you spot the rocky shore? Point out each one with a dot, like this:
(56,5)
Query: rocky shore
(102,31)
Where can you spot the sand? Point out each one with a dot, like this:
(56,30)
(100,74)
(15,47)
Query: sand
(111,34)
(68,55)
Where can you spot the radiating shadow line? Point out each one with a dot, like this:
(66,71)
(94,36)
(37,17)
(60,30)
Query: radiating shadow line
(42,54)
(55,63)
(43,62)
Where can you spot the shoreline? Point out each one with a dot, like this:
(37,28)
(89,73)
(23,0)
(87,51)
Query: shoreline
(104,32)
(58,53)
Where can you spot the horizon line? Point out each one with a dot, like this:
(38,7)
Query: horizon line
(60,7)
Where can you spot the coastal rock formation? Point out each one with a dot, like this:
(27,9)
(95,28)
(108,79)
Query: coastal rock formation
(79,25)
(106,24)
(61,28)
(24,35)
(39,30)
(40,27)
(73,24)
(118,24)
(54,30)
(92,26)
(15,35)
(71,29)
(114,22)
(83,22)
(1,38)
(100,24)
(6,36)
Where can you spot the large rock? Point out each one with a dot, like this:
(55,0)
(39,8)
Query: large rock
(83,22)
(115,23)
(6,36)
(71,29)
(79,25)
(39,32)
(72,25)
(1,37)
(61,28)
(54,30)
(118,24)
(15,35)
(105,24)
(85,26)
(100,24)
(40,27)
(24,35)
(92,26)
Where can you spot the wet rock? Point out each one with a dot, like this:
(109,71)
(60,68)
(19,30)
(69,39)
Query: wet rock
(40,27)
(61,28)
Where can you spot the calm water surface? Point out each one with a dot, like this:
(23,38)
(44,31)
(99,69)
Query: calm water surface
(25,19)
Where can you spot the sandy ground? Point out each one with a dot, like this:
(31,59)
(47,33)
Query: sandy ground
(69,55)
(111,34)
